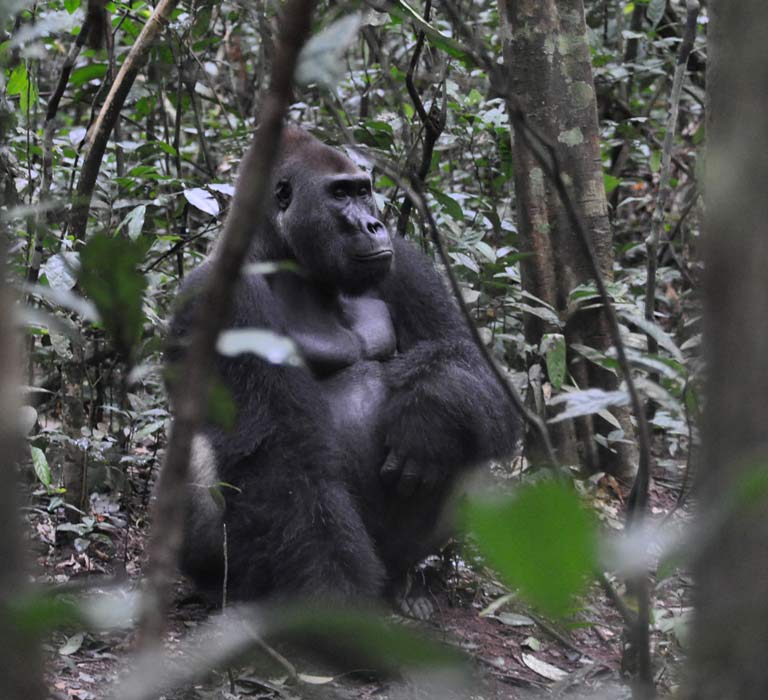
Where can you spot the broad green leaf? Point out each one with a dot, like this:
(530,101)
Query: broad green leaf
(37,612)
(541,312)
(274,348)
(320,60)
(611,182)
(553,349)
(450,205)
(65,298)
(221,407)
(71,6)
(20,84)
(72,644)
(18,81)
(40,465)
(655,11)
(360,637)
(61,270)
(659,335)
(587,402)
(203,200)
(403,11)
(542,541)
(109,275)
(92,71)
(134,222)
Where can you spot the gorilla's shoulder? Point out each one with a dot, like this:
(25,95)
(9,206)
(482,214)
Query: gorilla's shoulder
(252,302)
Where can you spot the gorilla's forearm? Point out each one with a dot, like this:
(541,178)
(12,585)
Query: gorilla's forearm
(446,407)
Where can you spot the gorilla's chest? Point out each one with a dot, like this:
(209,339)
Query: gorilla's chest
(344,345)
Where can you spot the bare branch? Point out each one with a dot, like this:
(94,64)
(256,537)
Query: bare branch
(247,208)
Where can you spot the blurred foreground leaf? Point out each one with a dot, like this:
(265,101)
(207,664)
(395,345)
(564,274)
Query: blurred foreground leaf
(541,541)
(109,275)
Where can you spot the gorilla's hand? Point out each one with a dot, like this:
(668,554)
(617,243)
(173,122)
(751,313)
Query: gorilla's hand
(409,476)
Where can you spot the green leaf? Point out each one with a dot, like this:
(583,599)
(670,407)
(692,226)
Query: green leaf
(362,638)
(655,162)
(20,84)
(134,222)
(450,205)
(541,541)
(18,81)
(655,11)
(109,275)
(92,71)
(553,349)
(274,348)
(320,60)
(37,613)
(71,6)
(403,11)
(611,182)
(222,409)
(587,402)
(40,464)
(203,200)
(72,644)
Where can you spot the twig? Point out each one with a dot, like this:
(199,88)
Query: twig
(665,190)
(247,208)
(432,121)
(98,135)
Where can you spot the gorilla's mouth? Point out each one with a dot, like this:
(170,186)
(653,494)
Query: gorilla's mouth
(376,256)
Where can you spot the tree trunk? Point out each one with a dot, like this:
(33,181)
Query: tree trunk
(730,635)
(20,664)
(549,71)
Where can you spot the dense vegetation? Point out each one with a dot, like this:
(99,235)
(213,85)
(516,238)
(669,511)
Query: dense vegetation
(418,90)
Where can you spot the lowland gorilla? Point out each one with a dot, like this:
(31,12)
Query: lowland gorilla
(336,474)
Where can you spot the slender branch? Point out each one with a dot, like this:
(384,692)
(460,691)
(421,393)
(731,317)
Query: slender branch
(665,189)
(432,121)
(98,135)
(247,208)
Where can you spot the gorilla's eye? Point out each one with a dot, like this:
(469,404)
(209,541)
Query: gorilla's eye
(364,191)
(339,191)
(283,193)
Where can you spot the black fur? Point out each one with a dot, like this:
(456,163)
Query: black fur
(341,469)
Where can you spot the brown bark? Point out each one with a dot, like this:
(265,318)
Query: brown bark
(550,75)
(729,639)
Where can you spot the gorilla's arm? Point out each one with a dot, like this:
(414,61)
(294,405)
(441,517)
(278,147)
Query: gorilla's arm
(447,410)
(286,468)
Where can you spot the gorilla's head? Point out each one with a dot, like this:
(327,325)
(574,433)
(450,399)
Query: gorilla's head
(324,216)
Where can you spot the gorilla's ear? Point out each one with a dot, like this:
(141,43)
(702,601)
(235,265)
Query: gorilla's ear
(283,194)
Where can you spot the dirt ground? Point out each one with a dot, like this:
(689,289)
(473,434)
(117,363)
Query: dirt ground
(511,652)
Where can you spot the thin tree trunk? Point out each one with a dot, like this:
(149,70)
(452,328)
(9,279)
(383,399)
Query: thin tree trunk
(20,677)
(189,397)
(730,634)
(549,70)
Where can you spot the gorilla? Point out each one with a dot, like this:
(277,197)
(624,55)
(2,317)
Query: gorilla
(337,475)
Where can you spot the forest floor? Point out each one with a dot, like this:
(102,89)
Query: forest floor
(512,652)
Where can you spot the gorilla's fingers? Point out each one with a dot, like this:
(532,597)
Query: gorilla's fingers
(409,479)
(390,472)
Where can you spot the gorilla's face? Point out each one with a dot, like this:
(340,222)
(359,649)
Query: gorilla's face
(326,215)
